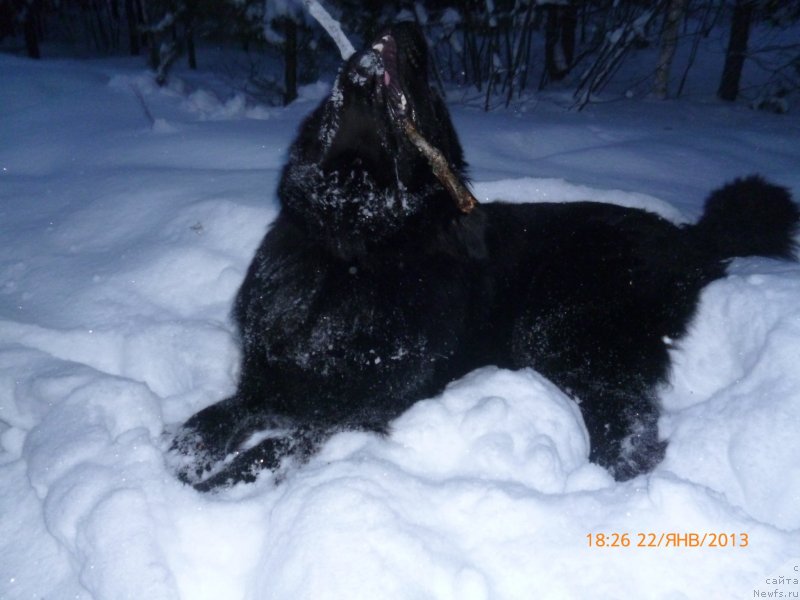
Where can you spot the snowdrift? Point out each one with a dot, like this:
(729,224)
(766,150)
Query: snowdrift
(125,233)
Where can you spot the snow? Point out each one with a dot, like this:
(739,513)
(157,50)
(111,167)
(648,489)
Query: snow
(124,238)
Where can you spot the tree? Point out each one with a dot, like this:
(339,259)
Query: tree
(173,26)
(494,47)
(281,20)
(627,24)
(669,42)
(30,25)
(289,27)
(133,17)
(737,49)
(562,19)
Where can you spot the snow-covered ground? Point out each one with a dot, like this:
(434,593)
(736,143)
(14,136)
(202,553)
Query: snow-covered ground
(128,216)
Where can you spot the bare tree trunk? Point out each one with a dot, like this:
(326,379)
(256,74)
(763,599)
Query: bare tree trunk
(669,43)
(519,64)
(148,33)
(559,44)
(472,60)
(30,27)
(737,49)
(550,45)
(290,64)
(189,24)
(191,52)
(710,18)
(555,61)
(115,25)
(102,35)
(133,28)
(7,18)
(140,19)
(569,23)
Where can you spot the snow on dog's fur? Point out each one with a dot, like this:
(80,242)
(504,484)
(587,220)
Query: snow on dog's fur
(372,290)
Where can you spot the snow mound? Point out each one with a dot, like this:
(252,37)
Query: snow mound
(532,434)
(123,245)
(735,397)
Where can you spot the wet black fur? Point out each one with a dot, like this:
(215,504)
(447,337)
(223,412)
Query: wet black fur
(371,291)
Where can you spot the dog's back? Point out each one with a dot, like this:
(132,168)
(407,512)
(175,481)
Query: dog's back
(593,295)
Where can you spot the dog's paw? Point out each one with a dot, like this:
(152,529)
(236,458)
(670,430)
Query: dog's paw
(191,458)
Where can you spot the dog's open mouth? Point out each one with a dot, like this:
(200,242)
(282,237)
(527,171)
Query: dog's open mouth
(402,115)
(386,47)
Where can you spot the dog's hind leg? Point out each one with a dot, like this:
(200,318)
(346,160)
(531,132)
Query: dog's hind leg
(623,431)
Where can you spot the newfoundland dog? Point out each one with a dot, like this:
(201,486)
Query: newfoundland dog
(379,283)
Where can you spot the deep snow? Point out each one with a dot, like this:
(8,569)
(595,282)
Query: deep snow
(126,227)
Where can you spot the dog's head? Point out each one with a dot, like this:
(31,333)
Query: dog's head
(354,176)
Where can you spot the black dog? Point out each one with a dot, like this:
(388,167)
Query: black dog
(372,290)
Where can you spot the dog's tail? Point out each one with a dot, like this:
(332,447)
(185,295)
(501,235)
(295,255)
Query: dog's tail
(749,217)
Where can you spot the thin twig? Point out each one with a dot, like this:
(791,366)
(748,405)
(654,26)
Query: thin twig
(143,104)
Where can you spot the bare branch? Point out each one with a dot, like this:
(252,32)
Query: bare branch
(332,26)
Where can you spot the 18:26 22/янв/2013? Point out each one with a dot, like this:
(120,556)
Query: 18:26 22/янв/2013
(672,539)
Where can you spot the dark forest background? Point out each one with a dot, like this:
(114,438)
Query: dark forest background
(499,49)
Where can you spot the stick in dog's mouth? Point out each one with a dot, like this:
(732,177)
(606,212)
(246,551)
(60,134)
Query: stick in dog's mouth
(386,47)
(464,199)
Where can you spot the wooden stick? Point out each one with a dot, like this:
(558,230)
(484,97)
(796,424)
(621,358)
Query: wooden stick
(441,169)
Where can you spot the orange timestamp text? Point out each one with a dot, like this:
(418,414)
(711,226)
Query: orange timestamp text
(669,539)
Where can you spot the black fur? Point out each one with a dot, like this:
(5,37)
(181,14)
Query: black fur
(371,291)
